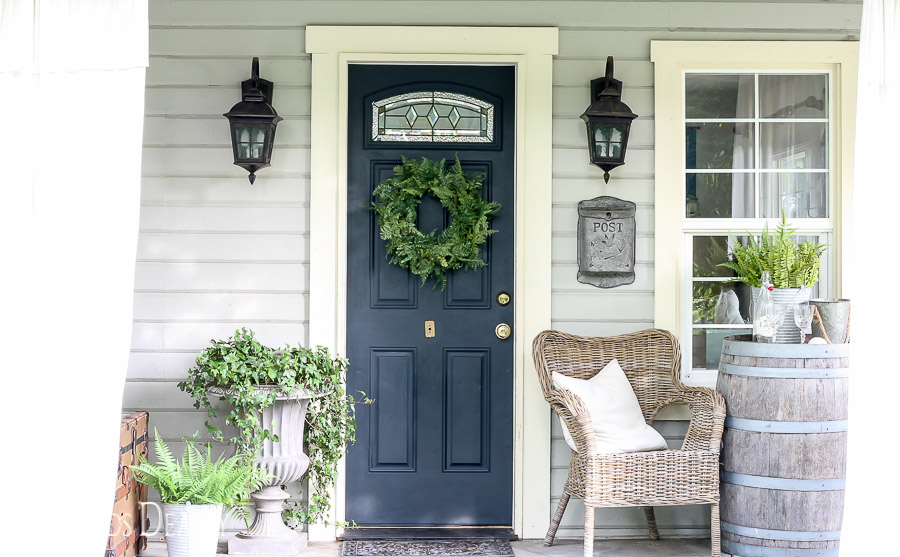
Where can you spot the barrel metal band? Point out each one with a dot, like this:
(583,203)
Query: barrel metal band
(782,535)
(744,550)
(763,350)
(785,372)
(763,426)
(783,484)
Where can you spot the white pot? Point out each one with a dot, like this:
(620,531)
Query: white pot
(192,530)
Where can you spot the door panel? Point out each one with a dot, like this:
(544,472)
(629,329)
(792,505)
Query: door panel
(435,448)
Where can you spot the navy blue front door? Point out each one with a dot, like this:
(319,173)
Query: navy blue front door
(435,448)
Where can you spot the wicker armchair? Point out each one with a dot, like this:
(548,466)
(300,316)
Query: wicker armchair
(651,360)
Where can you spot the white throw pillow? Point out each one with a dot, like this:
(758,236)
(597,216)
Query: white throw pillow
(619,426)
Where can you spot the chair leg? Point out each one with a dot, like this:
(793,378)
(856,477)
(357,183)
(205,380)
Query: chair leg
(588,531)
(651,523)
(715,533)
(554,524)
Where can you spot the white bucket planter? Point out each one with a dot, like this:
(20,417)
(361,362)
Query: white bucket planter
(192,530)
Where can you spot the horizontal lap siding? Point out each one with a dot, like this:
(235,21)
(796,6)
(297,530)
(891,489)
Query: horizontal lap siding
(216,253)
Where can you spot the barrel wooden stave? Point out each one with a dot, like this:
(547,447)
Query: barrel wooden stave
(775,509)
(812,518)
(789,400)
(785,455)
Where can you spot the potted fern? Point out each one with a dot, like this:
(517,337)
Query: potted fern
(194,492)
(793,266)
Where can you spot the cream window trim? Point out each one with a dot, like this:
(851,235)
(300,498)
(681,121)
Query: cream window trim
(531,51)
(671,60)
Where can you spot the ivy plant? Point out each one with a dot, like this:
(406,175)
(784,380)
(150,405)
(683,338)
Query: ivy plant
(235,369)
(790,264)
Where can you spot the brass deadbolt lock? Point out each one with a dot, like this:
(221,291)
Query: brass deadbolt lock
(503,298)
(503,331)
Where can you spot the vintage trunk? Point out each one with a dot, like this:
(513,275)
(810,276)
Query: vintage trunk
(784,447)
(126,529)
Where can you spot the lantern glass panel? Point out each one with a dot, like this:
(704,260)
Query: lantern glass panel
(250,141)
(609,140)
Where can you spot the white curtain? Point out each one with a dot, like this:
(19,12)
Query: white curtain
(71,98)
(872,482)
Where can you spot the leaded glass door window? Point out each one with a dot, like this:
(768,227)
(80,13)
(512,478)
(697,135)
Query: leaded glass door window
(756,145)
(433,116)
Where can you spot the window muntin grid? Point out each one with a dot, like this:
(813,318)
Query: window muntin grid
(767,180)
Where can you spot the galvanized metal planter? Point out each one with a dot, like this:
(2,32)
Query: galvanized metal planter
(835,325)
(192,530)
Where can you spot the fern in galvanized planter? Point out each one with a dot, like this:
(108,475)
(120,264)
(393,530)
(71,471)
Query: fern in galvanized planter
(790,264)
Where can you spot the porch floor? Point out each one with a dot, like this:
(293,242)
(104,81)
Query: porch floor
(535,548)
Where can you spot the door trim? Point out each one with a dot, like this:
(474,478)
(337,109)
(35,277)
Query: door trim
(531,51)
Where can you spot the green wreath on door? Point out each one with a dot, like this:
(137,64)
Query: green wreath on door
(433,254)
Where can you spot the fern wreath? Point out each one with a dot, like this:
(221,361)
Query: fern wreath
(432,254)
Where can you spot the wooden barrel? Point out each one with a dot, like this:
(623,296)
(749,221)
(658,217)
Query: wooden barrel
(784,448)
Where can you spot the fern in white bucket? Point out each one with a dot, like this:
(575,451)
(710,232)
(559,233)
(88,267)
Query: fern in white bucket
(194,492)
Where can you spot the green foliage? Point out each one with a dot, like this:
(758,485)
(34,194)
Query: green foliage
(431,255)
(241,365)
(200,480)
(790,265)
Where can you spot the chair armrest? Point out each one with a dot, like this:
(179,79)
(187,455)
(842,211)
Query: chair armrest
(576,417)
(707,418)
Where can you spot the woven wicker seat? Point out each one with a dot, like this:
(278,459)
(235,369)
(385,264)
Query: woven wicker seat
(651,360)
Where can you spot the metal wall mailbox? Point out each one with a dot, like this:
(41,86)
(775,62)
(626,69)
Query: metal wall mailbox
(606,233)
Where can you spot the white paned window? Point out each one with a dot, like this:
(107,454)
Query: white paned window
(756,145)
(744,133)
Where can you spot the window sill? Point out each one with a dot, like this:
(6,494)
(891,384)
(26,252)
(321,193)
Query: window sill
(697,378)
(701,378)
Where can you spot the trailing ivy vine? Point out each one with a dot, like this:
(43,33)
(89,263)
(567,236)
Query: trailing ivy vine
(235,369)
(432,254)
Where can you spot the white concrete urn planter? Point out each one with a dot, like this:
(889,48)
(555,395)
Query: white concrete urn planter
(286,461)
(192,530)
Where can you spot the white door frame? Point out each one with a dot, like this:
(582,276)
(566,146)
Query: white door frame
(531,51)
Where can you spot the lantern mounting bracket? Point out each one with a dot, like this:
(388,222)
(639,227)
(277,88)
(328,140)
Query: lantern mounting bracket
(255,88)
(606,86)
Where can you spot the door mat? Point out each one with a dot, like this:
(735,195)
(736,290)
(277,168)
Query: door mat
(415,548)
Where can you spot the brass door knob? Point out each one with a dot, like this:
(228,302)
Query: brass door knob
(503,331)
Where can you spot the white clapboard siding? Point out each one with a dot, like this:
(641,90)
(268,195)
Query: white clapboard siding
(212,129)
(622,15)
(206,100)
(216,254)
(569,131)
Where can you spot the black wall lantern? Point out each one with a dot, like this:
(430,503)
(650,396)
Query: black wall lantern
(608,122)
(253,122)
